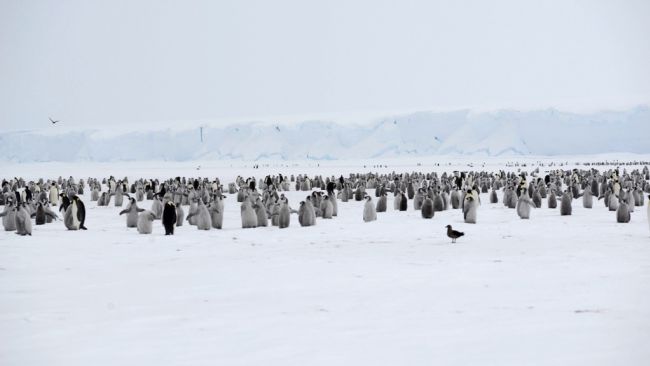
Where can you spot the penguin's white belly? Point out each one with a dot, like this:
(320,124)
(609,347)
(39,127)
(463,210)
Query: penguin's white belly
(75,218)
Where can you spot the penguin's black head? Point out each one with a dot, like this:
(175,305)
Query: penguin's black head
(448,226)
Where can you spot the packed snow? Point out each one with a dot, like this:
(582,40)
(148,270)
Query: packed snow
(551,290)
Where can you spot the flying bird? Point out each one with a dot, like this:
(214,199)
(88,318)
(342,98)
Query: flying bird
(53,121)
(453,234)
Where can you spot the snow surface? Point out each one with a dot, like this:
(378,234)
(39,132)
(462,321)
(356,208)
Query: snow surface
(464,132)
(552,290)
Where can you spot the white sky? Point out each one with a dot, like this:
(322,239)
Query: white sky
(94,62)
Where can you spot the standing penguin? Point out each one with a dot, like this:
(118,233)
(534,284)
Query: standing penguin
(304,216)
(552,200)
(202,218)
(23,221)
(42,213)
(427,208)
(9,217)
(587,198)
(248,216)
(145,220)
(382,203)
(75,215)
(326,208)
(369,213)
(169,217)
(469,209)
(260,212)
(565,203)
(132,211)
(284,218)
(622,212)
(524,203)
(403,202)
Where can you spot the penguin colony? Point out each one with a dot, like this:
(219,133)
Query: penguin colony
(263,203)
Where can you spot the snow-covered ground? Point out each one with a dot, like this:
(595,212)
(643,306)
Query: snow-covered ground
(552,290)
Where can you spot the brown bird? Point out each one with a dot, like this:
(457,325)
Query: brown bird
(453,234)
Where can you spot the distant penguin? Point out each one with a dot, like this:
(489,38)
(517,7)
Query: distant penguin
(403,203)
(248,215)
(145,220)
(54,195)
(565,203)
(622,212)
(284,216)
(23,221)
(9,217)
(382,203)
(369,212)
(438,203)
(169,217)
(537,199)
(418,199)
(397,201)
(612,202)
(469,209)
(427,208)
(131,212)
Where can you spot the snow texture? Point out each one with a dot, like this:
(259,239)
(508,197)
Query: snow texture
(463,132)
(552,290)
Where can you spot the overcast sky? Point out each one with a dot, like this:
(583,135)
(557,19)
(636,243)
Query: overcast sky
(94,62)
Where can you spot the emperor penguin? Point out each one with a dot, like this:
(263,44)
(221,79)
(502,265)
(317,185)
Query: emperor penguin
(427,208)
(203,221)
(75,215)
(403,203)
(397,201)
(157,207)
(537,199)
(587,198)
(304,217)
(524,204)
(169,217)
(216,213)
(565,203)
(284,216)
(42,213)
(455,199)
(493,196)
(119,195)
(309,208)
(9,217)
(145,220)
(438,203)
(622,212)
(180,215)
(369,212)
(23,221)
(54,194)
(418,198)
(260,212)
(131,212)
(94,194)
(382,203)
(469,209)
(552,200)
(248,215)
(326,208)
(613,201)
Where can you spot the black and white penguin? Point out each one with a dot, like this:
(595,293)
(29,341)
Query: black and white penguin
(369,212)
(169,217)
(75,214)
